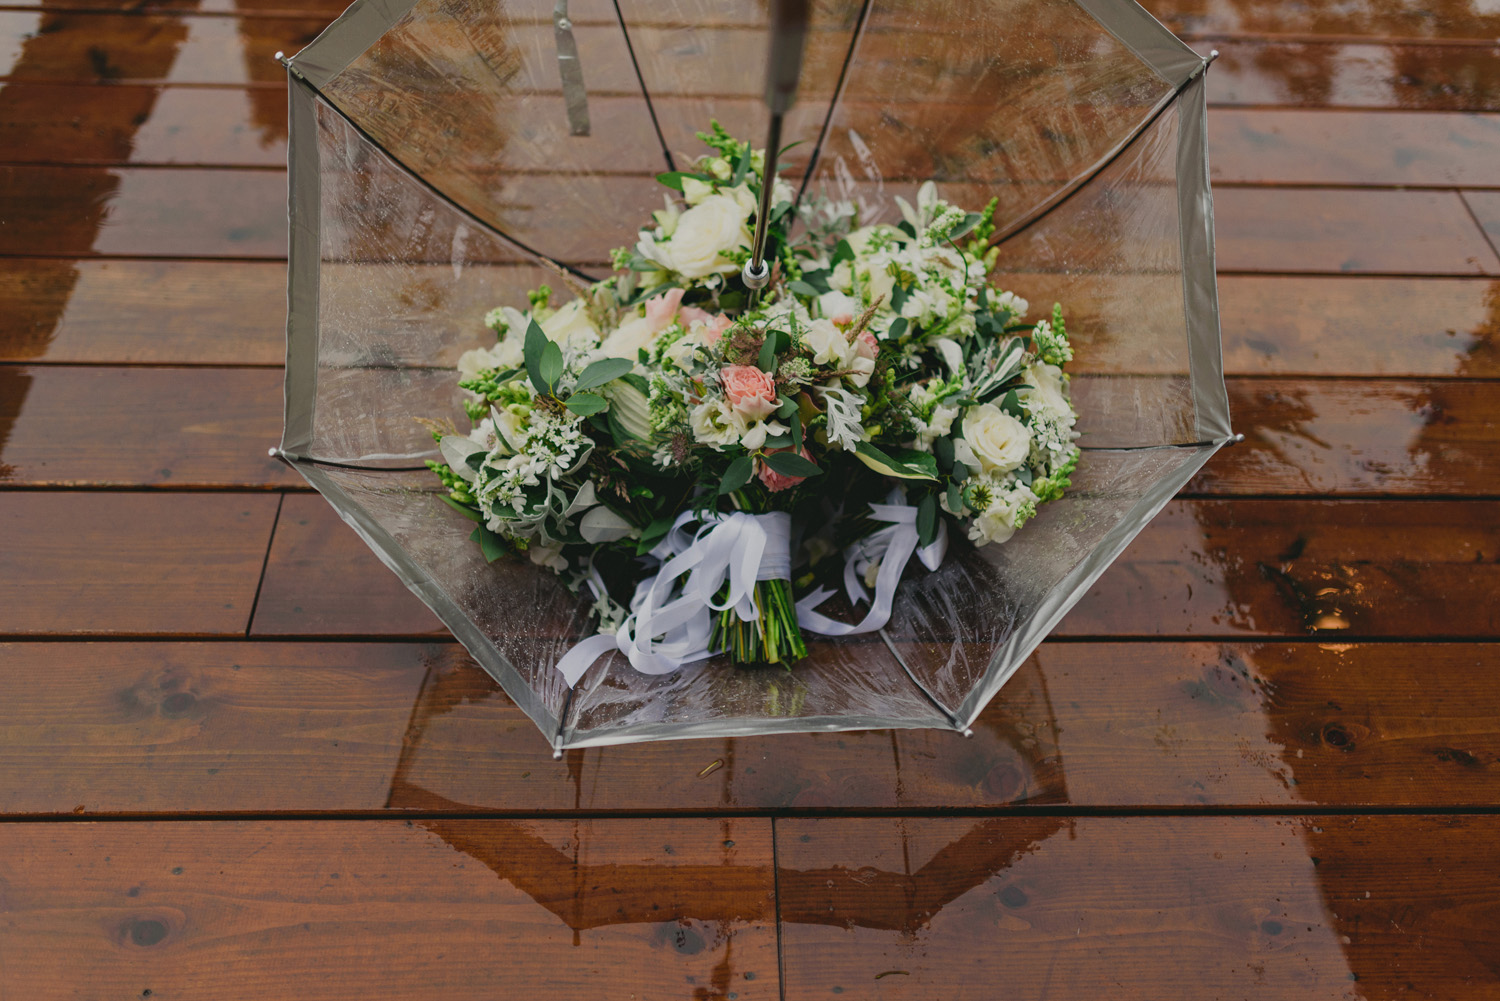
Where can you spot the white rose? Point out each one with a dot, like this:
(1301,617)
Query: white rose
(827,343)
(570,326)
(714,225)
(996,442)
(859,240)
(1047,395)
(471,363)
(715,423)
(880,284)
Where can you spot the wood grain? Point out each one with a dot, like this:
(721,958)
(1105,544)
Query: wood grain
(1445,19)
(1171,907)
(128,563)
(392,909)
(1400,232)
(1337,569)
(1353,147)
(1486,208)
(181,728)
(106,426)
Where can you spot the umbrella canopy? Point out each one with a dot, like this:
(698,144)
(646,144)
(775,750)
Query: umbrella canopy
(447,155)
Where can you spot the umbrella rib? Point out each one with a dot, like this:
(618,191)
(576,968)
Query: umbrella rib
(1048,207)
(952,719)
(439,193)
(833,103)
(645,91)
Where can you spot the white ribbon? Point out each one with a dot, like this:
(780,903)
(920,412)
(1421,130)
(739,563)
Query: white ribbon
(892,547)
(672,612)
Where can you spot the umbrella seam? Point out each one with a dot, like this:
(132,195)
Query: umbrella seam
(833,102)
(645,91)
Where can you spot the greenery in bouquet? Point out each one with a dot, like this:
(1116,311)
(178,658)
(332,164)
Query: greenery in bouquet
(878,366)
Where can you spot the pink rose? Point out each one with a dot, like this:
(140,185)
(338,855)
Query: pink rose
(775,481)
(865,345)
(749,390)
(660,309)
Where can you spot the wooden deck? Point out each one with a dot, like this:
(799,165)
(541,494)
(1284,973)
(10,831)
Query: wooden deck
(1260,760)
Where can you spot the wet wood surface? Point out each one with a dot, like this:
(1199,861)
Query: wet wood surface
(188,634)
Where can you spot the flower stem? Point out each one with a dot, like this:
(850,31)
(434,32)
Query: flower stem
(772,638)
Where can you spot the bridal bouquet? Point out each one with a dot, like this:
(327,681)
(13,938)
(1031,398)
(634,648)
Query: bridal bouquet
(692,452)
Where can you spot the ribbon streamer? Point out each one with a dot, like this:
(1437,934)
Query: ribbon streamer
(671,613)
(893,548)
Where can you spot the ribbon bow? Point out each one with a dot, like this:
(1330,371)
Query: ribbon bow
(892,547)
(671,616)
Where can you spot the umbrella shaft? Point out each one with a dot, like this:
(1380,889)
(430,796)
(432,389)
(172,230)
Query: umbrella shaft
(767,187)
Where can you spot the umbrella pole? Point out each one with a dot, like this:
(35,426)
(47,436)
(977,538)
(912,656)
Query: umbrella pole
(783,69)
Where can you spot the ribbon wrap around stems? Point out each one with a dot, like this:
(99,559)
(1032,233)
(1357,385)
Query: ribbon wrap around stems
(892,547)
(672,612)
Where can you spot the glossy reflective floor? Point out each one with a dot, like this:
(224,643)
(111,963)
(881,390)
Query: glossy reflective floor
(1260,760)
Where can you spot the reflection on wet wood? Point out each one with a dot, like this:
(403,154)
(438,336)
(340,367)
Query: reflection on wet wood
(1355,437)
(1453,19)
(1202,568)
(1352,147)
(188,727)
(127,312)
(137,426)
(131,564)
(1336,569)
(1248,907)
(394,909)
(1399,232)
(1334,75)
(1486,208)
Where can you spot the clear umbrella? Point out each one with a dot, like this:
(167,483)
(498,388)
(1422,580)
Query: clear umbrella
(447,155)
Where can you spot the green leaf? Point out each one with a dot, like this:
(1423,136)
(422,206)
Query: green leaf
(897,329)
(637,381)
(796,429)
(899,296)
(942,450)
(658,528)
(790,464)
(843,252)
(915,459)
(955,498)
(966,227)
(673,178)
(462,509)
(532,351)
(888,466)
(906,228)
(927,520)
(584,404)
(551,365)
(778,441)
(742,168)
(818,280)
(737,475)
(788,407)
(1011,404)
(803,289)
(600,372)
(489,543)
(767,360)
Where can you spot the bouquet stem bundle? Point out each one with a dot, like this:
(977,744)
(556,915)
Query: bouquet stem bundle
(773,637)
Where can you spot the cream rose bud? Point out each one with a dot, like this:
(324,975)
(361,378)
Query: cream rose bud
(879,285)
(571,326)
(1047,394)
(694,190)
(704,232)
(996,441)
(471,363)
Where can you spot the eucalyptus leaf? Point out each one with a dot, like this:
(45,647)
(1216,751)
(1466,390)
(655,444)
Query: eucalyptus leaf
(462,509)
(796,430)
(790,464)
(955,498)
(737,475)
(803,289)
(490,544)
(532,350)
(673,178)
(551,365)
(600,524)
(842,252)
(767,360)
(602,371)
(897,328)
(585,404)
(927,520)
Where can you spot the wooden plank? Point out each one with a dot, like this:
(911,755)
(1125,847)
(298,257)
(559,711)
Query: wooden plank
(1353,147)
(1337,569)
(142,312)
(1352,437)
(1401,232)
(142,124)
(141,212)
(130,563)
(310,539)
(1325,74)
(155,728)
(1486,208)
(1147,907)
(124,311)
(1360,326)
(1356,17)
(242,213)
(392,909)
(127,427)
